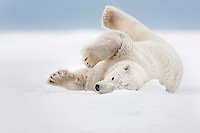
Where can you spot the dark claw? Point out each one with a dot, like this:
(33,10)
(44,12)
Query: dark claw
(51,81)
(54,74)
(85,59)
(59,73)
(87,63)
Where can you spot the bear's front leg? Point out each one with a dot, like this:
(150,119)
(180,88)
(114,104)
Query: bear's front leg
(102,48)
(66,79)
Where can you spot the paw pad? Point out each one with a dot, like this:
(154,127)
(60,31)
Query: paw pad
(57,77)
(86,60)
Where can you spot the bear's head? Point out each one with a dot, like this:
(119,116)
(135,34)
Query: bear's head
(119,76)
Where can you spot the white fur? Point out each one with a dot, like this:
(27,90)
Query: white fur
(130,52)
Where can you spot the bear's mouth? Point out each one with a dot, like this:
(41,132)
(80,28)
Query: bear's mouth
(123,84)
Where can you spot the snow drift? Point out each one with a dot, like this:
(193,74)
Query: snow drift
(28,104)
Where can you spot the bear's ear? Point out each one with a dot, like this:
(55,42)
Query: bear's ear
(127,68)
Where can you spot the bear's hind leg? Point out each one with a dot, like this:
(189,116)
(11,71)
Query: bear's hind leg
(66,79)
(116,19)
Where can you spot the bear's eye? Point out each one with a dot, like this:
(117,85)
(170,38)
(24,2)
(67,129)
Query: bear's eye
(113,78)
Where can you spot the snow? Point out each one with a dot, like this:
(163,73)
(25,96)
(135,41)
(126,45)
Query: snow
(29,105)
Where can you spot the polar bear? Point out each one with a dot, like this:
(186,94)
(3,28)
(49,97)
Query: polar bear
(125,57)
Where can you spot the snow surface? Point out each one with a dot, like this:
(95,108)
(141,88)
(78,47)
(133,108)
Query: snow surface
(29,105)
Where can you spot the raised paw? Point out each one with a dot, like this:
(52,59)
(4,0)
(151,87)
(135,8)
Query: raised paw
(109,17)
(89,57)
(59,77)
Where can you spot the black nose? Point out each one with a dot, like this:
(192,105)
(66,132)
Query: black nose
(97,87)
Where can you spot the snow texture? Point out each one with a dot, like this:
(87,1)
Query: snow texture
(29,105)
